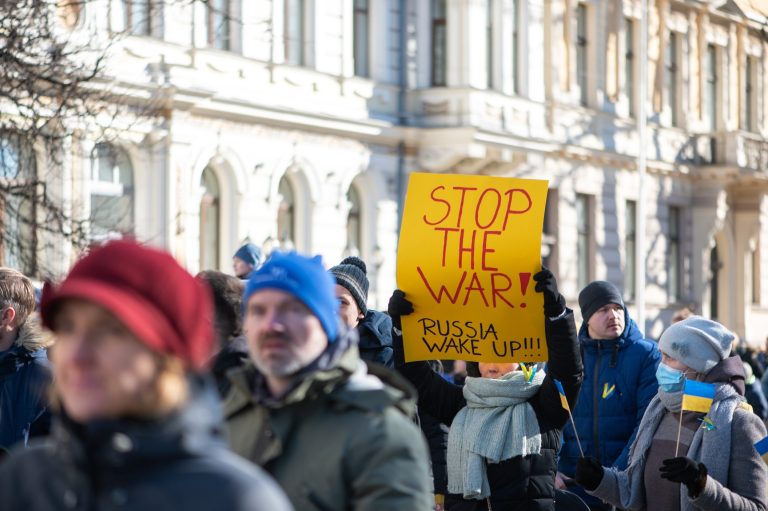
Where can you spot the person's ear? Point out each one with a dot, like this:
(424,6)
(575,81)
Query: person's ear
(8,316)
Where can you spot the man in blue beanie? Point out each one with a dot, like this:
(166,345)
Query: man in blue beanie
(246,259)
(619,382)
(307,396)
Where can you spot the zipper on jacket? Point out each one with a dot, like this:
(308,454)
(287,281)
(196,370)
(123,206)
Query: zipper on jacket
(596,402)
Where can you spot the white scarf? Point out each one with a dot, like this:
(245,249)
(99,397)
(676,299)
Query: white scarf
(496,424)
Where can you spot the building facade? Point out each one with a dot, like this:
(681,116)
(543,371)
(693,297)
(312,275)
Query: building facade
(295,124)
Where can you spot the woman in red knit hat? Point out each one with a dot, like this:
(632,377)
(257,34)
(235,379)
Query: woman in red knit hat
(137,426)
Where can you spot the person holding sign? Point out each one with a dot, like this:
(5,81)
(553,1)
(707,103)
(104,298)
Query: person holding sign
(699,411)
(506,423)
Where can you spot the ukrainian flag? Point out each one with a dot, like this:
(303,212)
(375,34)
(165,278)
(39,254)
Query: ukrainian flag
(762,448)
(563,400)
(698,396)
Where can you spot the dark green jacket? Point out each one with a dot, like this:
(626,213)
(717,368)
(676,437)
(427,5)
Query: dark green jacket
(341,439)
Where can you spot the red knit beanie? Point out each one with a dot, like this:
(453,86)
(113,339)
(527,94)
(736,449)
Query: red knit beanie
(147,290)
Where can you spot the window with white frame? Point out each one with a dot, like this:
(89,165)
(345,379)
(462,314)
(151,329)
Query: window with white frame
(672,77)
(295,32)
(286,215)
(439,43)
(210,220)
(582,54)
(756,276)
(750,94)
(710,87)
(354,223)
(630,244)
(674,252)
(549,232)
(18,210)
(489,42)
(361,37)
(219,23)
(111,191)
(629,65)
(144,17)
(584,239)
(514,60)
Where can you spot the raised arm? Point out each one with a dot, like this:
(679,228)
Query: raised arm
(438,397)
(564,362)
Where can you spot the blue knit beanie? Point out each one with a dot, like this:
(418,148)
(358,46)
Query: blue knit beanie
(306,279)
(249,253)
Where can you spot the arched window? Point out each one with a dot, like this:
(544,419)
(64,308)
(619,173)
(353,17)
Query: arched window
(111,193)
(18,215)
(286,215)
(210,220)
(354,225)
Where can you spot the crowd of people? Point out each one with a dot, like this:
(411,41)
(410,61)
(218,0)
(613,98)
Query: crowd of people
(131,384)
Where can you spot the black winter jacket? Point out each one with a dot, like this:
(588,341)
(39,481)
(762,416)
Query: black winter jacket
(520,483)
(178,464)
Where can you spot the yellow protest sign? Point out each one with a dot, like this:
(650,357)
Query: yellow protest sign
(468,248)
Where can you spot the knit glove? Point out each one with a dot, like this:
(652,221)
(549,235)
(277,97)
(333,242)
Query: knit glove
(684,470)
(546,284)
(589,473)
(398,306)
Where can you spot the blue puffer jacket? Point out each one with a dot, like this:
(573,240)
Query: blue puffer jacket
(619,382)
(24,379)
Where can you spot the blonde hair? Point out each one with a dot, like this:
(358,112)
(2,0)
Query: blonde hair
(17,291)
(682,314)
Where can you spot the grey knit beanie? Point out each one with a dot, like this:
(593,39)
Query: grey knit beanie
(697,342)
(596,295)
(351,275)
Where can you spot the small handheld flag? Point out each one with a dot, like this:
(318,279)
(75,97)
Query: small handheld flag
(762,448)
(563,399)
(564,402)
(698,396)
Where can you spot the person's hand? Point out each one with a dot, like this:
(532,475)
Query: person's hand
(684,470)
(398,306)
(589,473)
(546,284)
(560,481)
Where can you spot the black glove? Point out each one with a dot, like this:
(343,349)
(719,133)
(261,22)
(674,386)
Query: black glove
(684,470)
(398,306)
(546,284)
(589,473)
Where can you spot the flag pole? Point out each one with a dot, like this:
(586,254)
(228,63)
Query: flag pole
(578,442)
(679,427)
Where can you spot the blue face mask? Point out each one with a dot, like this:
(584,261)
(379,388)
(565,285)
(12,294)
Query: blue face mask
(670,379)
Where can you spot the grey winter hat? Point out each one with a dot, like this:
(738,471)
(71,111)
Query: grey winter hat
(598,294)
(697,342)
(351,275)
